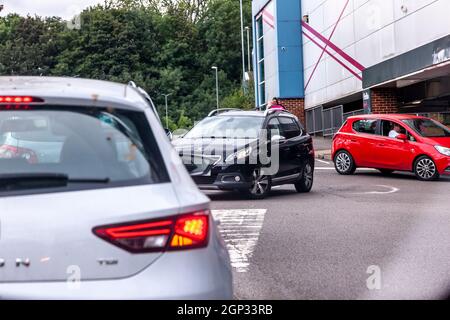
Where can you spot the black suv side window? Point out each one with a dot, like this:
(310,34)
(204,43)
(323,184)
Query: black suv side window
(273,128)
(290,127)
(366,126)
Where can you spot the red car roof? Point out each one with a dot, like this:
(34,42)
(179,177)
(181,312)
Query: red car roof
(394,116)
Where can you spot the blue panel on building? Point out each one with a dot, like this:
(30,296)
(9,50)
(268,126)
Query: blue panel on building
(288,81)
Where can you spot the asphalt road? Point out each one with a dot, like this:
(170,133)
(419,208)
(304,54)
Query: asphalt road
(394,231)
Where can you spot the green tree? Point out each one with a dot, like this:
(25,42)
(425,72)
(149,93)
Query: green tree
(165,46)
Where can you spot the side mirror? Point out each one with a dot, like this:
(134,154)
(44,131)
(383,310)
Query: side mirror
(278,139)
(402,137)
(169,133)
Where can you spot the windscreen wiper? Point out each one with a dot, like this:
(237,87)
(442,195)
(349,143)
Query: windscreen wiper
(17,181)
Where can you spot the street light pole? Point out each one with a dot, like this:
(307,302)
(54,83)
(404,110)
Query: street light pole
(217,85)
(166,96)
(243,46)
(248,49)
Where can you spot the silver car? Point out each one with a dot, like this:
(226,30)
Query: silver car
(94,201)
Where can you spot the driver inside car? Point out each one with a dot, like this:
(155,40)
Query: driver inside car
(395,131)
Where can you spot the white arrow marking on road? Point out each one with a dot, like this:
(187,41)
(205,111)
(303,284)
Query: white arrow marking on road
(240,230)
(332,168)
(390,190)
(322,161)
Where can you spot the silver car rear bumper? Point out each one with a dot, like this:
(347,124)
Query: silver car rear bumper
(202,274)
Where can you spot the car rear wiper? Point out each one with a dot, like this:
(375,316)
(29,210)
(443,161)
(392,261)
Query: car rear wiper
(42,180)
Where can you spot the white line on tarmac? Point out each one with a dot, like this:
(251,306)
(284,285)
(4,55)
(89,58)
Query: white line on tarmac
(322,161)
(240,230)
(390,190)
(332,168)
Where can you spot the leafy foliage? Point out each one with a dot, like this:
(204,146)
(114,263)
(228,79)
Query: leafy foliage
(165,46)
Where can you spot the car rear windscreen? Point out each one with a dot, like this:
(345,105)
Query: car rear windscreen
(82,144)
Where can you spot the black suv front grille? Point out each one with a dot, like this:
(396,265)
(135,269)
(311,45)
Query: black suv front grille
(199,164)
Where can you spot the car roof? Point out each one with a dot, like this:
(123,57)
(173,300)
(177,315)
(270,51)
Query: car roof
(253,113)
(242,114)
(386,116)
(59,89)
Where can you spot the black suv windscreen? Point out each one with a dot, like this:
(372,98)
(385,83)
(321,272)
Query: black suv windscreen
(428,128)
(81,144)
(238,127)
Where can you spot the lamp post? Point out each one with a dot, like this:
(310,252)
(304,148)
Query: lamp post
(243,45)
(217,84)
(166,96)
(248,49)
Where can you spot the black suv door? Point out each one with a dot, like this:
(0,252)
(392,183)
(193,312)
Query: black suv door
(297,148)
(278,151)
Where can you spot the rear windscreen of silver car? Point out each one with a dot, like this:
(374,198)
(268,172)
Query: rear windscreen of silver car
(111,146)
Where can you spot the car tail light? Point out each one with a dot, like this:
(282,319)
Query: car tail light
(19,99)
(168,234)
(11,152)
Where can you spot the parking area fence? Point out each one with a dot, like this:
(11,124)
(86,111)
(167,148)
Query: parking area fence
(332,120)
(326,122)
(353,113)
(314,123)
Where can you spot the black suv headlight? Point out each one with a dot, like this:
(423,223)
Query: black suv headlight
(240,155)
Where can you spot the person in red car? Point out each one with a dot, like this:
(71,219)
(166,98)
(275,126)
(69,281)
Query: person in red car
(395,131)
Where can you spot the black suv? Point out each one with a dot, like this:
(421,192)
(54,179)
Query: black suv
(248,151)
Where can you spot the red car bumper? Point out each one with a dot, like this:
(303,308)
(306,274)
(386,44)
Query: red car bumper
(443,165)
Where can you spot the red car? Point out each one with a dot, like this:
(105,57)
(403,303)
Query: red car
(391,143)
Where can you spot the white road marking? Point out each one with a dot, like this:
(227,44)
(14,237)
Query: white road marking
(240,230)
(322,161)
(332,168)
(390,190)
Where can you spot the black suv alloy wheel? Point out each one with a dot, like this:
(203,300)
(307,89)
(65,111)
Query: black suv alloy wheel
(260,185)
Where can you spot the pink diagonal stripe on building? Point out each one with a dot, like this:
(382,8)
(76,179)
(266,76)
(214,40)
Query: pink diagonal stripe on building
(268,18)
(332,56)
(326,46)
(349,59)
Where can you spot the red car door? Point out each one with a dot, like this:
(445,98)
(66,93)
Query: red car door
(362,142)
(392,153)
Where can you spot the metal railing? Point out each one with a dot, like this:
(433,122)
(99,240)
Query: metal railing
(353,113)
(314,123)
(332,120)
(327,122)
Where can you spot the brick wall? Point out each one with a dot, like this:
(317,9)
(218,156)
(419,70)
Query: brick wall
(384,100)
(295,106)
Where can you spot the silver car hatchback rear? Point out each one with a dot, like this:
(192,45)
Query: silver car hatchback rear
(95,203)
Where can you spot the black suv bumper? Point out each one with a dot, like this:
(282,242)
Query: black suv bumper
(226,177)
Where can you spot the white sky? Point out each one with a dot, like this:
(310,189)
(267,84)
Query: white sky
(62,8)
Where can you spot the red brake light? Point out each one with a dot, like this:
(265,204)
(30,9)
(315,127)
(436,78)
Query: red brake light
(173,233)
(190,231)
(19,99)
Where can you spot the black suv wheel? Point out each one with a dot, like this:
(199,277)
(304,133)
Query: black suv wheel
(307,180)
(260,185)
